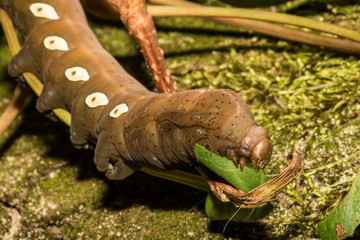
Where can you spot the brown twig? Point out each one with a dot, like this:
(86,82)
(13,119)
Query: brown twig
(11,111)
(268,191)
(140,25)
(257,197)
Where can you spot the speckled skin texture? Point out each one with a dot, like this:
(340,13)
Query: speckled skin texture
(158,130)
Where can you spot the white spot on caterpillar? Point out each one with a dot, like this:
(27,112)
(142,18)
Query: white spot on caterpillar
(118,110)
(55,43)
(75,74)
(96,99)
(43,10)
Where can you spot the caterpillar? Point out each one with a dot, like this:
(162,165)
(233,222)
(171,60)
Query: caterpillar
(130,126)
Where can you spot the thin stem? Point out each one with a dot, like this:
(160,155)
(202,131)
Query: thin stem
(292,34)
(201,11)
(267,28)
(185,178)
(10,33)
(13,108)
(141,26)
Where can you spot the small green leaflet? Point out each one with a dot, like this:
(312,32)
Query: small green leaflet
(217,210)
(343,220)
(245,180)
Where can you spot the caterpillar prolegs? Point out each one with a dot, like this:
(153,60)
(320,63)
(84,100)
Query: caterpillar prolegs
(131,126)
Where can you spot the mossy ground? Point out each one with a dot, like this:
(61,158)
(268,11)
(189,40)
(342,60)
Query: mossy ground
(307,99)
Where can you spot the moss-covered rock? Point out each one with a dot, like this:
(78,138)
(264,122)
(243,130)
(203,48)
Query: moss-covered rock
(5,221)
(307,99)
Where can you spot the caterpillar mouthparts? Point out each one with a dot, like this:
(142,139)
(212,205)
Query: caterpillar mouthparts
(259,158)
(261,154)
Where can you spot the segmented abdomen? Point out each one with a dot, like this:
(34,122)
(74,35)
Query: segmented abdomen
(131,126)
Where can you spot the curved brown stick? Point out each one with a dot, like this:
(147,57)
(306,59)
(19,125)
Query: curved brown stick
(268,191)
(140,25)
(259,196)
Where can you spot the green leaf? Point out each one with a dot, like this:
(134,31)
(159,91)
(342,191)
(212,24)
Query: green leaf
(217,210)
(343,220)
(245,180)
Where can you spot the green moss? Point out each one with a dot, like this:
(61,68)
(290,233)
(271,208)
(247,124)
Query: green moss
(305,97)
(5,221)
(191,225)
(307,102)
(27,158)
(193,24)
(92,225)
(110,34)
(59,194)
(54,199)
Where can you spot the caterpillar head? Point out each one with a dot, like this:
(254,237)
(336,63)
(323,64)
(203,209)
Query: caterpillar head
(254,147)
(240,144)
(226,126)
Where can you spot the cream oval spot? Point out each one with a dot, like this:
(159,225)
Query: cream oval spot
(55,43)
(119,110)
(43,10)
(75,74)
(96,99)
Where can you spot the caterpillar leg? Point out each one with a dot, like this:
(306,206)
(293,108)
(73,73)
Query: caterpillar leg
(49,99)
(21,80)
(22,62)
(107,160)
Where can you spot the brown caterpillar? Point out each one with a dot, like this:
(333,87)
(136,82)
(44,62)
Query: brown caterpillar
(131,126)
